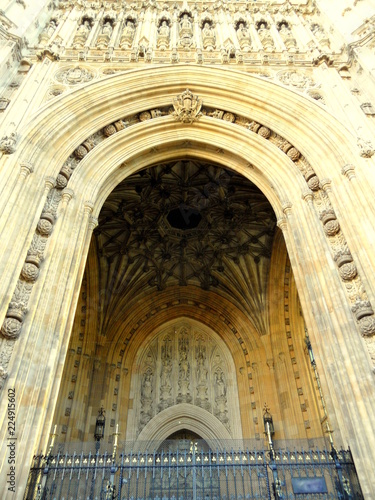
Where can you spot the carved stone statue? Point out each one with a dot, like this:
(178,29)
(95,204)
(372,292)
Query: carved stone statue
(221,411)
(127,35)
(184,371)
(82,34)
(105,36)
(243,37)
(265,36)
(147,386)
(163,36)
(107,29)
(201,370)
(186,32)
(220,388)
(164,29)
(184,366)
(202,373)
(165,374)
(287,37)
(84,28)
(208,36)
(320,36)
(185,23)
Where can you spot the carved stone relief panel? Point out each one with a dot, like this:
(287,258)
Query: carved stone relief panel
(183,365)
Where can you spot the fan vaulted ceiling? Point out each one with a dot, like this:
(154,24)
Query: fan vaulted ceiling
(187,223)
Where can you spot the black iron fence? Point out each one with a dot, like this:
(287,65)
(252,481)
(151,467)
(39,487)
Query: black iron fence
(194,472)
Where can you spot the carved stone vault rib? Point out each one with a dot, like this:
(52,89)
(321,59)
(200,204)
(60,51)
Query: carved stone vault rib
(187,223)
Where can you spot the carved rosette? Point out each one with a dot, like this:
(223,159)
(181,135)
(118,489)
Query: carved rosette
(313,183)
(83,149)
(264,132)
(330,223)
(367,326)
(112,128)
(348,271)
(45,224)
(30,272)
(109,130)
(61,181)
(11,328)
(293,154)
(63,177)
(331,228)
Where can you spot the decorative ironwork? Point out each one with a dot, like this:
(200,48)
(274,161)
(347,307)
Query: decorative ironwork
(194,472)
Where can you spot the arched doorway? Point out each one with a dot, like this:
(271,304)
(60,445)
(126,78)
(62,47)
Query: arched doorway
(322,299)
(184,440)
(198,239)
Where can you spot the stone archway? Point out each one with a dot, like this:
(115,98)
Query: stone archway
(183,416)
(61,127)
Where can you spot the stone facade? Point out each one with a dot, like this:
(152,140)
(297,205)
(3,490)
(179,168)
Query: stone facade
(186,191)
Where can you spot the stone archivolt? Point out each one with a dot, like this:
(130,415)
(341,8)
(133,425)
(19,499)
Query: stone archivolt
(187,110)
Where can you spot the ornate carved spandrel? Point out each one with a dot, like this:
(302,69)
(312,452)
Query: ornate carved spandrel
(74,75)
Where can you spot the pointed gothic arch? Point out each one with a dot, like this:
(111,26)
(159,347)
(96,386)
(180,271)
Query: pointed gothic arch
(183,416)
(60,127)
